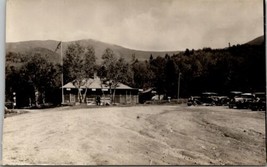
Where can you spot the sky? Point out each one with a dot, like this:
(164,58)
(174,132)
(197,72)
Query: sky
(158,25)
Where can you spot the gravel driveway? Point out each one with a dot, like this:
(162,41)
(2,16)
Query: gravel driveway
(139,135)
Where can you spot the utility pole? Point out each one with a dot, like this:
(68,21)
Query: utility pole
(61,62)
(178,92)
(62,82)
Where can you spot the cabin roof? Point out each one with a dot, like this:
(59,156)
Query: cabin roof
(96,84)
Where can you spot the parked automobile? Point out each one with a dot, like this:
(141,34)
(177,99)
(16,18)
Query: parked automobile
(209,98)
(242,101)
(194,100)
(206,98)
(233,98)
(233,94)
(259,102)
(222,101)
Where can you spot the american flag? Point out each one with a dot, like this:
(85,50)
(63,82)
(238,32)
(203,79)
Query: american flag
(58,46)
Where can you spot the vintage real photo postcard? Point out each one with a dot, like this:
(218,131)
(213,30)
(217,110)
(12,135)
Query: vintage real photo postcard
(131,82)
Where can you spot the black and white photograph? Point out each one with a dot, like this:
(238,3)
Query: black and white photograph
(134,82)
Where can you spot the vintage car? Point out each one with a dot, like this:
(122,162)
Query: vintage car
(209,98)
(232,96)
(241,101)
(259,102)
(206,99)
(222,101)
(194,100)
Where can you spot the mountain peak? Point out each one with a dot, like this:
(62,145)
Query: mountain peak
(26,47)
(257,41)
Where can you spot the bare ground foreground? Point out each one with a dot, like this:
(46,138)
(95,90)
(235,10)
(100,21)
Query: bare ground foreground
(139,135)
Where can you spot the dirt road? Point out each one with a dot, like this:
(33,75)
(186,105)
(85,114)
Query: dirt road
(140,135)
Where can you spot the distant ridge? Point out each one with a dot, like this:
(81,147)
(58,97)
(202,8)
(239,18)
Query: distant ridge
(25,47)
(47,48)
(257,41)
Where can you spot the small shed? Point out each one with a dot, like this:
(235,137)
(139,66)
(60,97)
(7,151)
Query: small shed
(147,95)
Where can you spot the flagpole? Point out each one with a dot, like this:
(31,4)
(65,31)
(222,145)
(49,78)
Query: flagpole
(178,91)
(62,90)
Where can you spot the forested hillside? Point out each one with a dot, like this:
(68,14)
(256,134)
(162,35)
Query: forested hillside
(239,67)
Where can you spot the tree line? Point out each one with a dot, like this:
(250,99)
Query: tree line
(35,79)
